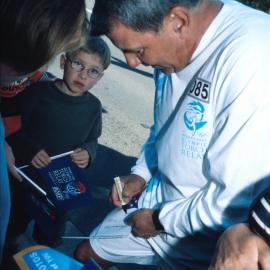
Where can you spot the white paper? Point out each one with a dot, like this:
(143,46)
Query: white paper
(110,229)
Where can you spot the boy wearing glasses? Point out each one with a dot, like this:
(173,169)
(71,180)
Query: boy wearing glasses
(60,116)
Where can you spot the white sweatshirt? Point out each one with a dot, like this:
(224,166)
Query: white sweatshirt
(214,154)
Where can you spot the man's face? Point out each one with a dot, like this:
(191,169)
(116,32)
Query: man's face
(164,50)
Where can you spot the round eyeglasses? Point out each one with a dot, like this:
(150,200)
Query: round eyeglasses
(92,73)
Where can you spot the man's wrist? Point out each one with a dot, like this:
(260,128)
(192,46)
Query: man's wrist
(155,218)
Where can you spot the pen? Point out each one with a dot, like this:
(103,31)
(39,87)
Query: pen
(31,181)
(42,191)
(52,158)
(119,188)
(93,237)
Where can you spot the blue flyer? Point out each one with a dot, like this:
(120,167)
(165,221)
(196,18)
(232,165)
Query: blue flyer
(65,183)
(45,258)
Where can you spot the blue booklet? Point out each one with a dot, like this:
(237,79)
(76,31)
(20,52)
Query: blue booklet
(54,190)
(65,183)
(42,257)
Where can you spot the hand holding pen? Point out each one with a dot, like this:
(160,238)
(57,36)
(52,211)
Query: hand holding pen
(131,186)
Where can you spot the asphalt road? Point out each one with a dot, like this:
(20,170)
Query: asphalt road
(127,96)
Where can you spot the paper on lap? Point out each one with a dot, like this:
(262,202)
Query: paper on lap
(112,228)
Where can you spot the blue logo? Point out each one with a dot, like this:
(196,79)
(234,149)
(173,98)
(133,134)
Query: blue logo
(194,115)
(75,188)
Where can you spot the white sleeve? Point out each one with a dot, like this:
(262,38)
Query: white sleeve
(146,164)
(237,161)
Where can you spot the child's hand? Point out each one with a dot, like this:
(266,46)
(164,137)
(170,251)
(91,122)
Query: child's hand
(41,159)
(11,162)
(80,157)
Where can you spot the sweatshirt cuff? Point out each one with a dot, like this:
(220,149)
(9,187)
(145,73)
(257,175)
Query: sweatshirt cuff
(144,173)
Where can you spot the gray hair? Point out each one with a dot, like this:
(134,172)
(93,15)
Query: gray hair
(139,15)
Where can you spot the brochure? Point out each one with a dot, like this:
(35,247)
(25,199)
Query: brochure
(42,257)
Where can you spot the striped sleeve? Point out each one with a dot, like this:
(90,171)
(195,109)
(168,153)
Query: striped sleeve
(259,217)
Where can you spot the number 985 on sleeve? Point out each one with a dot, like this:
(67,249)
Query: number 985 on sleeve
(200,89)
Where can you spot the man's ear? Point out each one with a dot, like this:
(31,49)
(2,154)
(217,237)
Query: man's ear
(178,19)
(62,61)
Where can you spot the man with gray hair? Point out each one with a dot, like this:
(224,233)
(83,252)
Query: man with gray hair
(206,158)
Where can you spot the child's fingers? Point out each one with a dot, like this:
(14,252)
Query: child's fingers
(37,163)
(81,157)
(81,163)
(76,151)
(42,159)
(80,154)
(15,173)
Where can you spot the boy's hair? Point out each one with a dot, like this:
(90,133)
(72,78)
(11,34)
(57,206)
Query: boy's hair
(97,46)
(34,31)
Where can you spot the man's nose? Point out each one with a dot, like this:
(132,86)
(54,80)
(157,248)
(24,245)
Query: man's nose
(132,60)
